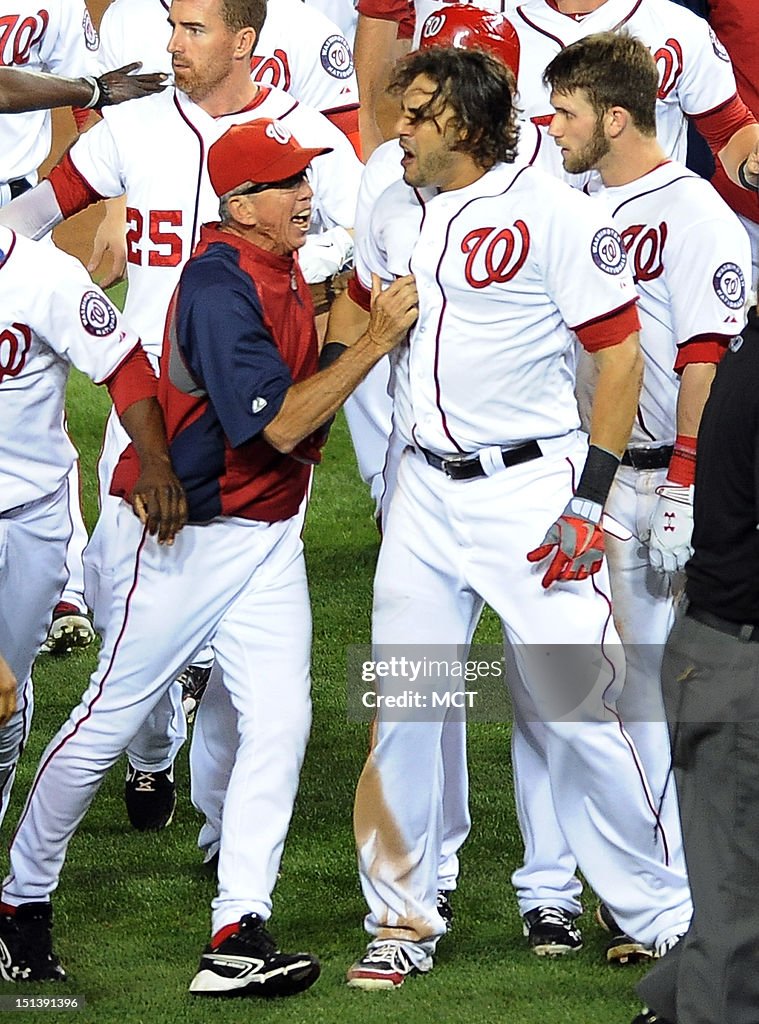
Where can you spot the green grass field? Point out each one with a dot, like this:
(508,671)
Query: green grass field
(132,912)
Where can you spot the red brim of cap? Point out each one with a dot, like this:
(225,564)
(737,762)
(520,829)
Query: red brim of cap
(287,165)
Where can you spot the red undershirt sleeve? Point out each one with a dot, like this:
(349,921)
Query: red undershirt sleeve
(610,329)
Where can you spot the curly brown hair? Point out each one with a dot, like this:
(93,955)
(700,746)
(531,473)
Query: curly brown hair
(480,92)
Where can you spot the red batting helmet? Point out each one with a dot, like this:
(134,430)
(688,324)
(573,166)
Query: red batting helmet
(470,28)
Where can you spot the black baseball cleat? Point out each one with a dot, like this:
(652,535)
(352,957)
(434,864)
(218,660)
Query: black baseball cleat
(193,681)
(649,1017)
(26,945)
(444,907)
(249,964)
(621,949)
(551,931)
(150,798)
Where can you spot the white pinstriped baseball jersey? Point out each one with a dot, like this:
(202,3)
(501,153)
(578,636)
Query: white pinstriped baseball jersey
(156,151)
(507,268)
(52,317)
(691,262)
(58,37)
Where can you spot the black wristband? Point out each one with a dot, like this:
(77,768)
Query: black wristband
(744,180)
(105,98)
(598,475)
(331,353)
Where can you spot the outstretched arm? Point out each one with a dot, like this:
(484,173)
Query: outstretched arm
(30,90)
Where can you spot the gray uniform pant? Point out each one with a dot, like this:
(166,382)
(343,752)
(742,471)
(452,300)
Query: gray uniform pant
(710,682)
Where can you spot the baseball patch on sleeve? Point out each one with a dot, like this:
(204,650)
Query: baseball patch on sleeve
(730,285)
(608,252)
(91,37)
(336,57)
(97,315)
(717,46)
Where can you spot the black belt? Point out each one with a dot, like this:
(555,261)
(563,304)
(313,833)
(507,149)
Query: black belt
(747,633)
(648,458)
(467,467)
(18,186)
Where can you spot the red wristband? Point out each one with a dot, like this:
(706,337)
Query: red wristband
(682,465)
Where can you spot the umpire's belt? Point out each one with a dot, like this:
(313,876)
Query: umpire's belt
(467,467)
(742,632)
(18,186)
(648,458)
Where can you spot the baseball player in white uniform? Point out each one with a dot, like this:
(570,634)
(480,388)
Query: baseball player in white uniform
(688,254)
(235,578)
(53,317)
(58,38)
(696,78)
(384,240)
(299,51)
(493,455)
(158,157)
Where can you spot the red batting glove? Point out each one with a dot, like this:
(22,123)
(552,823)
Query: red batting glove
(579,542)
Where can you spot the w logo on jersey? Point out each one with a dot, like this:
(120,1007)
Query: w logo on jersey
(495,255)
(669,61)
(18,36)
(645,247)
(15,342)
(274,70)
(277,132)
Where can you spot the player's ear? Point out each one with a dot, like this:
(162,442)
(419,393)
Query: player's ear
(245,42)
(616,120)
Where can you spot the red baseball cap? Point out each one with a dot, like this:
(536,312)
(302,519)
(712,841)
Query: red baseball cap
(467,27)
(261,151)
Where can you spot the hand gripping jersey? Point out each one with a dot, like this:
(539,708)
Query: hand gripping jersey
(53,317)
(156,152)
(691,262)
(58,37)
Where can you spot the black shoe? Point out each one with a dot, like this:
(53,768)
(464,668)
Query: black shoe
(26,945)
(621,949)
(249,964)
(444,907)
(649,1017)
(150,798)
(193,681)
(552,931)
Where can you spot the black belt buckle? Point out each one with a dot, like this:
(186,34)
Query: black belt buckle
(462,467)
(648,458)
(18,186)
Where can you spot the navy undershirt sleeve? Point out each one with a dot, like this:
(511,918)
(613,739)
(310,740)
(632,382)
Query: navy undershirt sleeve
(227,347)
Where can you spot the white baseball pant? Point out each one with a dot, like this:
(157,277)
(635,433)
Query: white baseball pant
(448,544)
(156,744)
(33,540)
(643,615)
(239,586)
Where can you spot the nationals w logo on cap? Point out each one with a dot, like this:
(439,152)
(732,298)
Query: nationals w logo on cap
(276,130)
(261,152)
